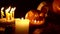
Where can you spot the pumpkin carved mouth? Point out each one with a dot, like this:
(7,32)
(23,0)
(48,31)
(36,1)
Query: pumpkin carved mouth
(37,22)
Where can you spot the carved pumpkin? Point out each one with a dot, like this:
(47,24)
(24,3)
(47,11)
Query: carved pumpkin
(36,17)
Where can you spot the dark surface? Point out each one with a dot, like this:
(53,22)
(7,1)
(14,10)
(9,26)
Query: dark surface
(9,27)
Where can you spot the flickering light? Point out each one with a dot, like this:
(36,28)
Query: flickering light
(8,9)
(12,12)
(41,14)
(56,6)
(7,13)
(35,17)
(2,13)
(2,8)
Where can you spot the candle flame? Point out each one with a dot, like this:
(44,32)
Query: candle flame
(8,9)
(13,9)
(22,18)
(2,8)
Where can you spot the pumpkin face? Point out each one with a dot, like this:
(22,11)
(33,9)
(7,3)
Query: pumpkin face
(36,17)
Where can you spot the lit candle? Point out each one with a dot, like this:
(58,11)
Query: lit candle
(22,26)
(7,13)
(2,13)
(12,13)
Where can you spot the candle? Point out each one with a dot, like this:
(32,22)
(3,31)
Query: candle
(7,13)
(22,26)
(12,13)
(2,13)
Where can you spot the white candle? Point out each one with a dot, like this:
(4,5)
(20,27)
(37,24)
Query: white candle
(22,26)
(2,13)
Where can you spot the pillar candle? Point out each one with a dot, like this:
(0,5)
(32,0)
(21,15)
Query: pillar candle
(22,26)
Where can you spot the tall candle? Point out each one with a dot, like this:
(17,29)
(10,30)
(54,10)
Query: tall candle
(22,26)
(12,13)
(2,13)
(7,13)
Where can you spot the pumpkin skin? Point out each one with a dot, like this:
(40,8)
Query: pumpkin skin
(36,17)
(56,6)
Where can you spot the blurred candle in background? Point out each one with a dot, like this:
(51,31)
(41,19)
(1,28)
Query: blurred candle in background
(2,13)
(22,26)
(12,13)
(7,13)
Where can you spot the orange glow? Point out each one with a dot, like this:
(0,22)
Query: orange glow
(41,14)
(2,29)
(34,22)
(22,21)
(29,15)
(37,31)
(56,6)
(22,18)
(34,17)
(22,25)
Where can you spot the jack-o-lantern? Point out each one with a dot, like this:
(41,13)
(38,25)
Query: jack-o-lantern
(37,17)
